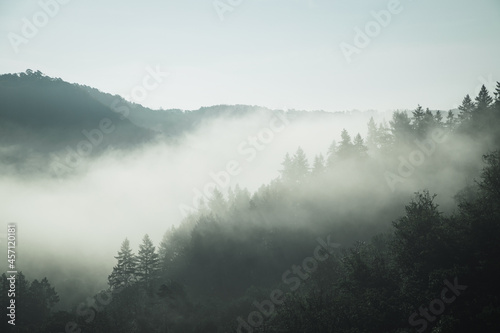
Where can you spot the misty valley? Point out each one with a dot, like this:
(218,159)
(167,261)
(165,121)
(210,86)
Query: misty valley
(241,218)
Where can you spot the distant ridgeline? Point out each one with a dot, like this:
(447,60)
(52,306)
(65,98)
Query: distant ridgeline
(48,125)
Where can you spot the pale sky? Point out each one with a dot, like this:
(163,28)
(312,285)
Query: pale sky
(272,53)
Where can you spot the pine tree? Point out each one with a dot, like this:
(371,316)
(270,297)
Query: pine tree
(300,165)
(496,103)
(359,145)
(42,298)
(450,120)
(483,100)
(164,251)
(148,261)
(372,138)
(345,148)
(438,118)
(319,165)
(418,121)
(330,157)
(429,120)
(172,247)
(124,273)
(217,204)
(241,198)
(385,138)
(401,128)
(466,109)
(287,171)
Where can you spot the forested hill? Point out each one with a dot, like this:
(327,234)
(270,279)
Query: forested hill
(40,116)
(43,120)
(325,247)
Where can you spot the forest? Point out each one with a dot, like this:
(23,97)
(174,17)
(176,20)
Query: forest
(334,244)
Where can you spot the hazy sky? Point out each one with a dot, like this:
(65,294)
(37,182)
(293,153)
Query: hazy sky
(274,53)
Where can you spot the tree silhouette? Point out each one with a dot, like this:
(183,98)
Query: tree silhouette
(345,148)
(466,109)
(125,272)
(359,146)
(147,261)
(319,166)
(401,127)
(483,100)
(331,155)
(372,138)
(300,165)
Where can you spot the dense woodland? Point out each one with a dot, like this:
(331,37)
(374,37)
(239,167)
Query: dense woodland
(393,255)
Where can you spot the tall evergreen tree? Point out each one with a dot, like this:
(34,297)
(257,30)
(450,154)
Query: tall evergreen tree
(164,251)
(319,165)
(125,272)
(372,140)
(217,203)
(429,120)
(450,120)
(345,148)
(331,154)
(359,145)
(300,165)
(419,121)
(42,298)
(385,138)
(147,261)
(401,128)
(496,103)
(287,171)
(172,247)
(466,109)
(483,100)
(439,118)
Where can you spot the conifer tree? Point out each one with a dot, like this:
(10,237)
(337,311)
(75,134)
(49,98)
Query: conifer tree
(287,171)
(359,145)
(438,118)
(385,138)
(429,120)
(372,136)
(319,165)
(125,272)
(401,128)
(418,121)
(496,103)
(450,120)
(147,261)
(466,109)
(217,204)
(300,165)
(345,148)
(330,157)
(42,298)
(483,100)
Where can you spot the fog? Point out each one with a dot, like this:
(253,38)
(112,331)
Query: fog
(84,217)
